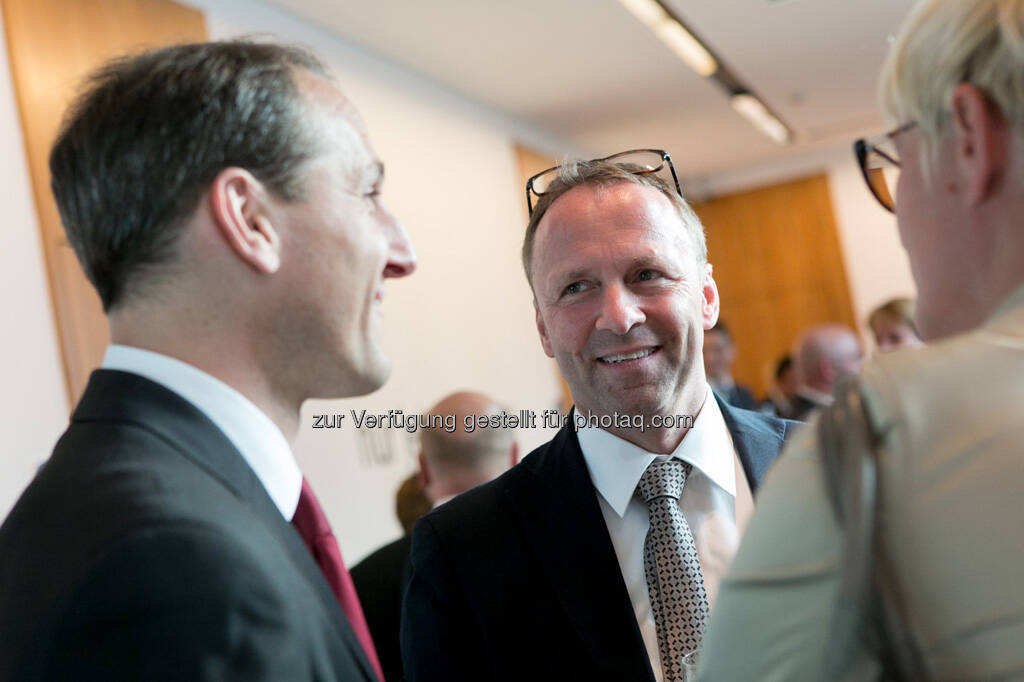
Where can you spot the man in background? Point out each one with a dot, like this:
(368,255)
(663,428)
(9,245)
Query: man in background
(783,390)
(719,355)
(822,354)
(929,587)
(224,200)
(451,462)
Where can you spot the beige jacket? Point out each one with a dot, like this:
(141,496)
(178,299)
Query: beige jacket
(952,415)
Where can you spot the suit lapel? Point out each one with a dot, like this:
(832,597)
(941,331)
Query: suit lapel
(124,397)
(561,519)
(757,437)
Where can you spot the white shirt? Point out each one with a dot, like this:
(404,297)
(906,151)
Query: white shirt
(716,503)
(254,435)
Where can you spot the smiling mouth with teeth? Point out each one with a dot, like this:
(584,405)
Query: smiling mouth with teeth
(626,357)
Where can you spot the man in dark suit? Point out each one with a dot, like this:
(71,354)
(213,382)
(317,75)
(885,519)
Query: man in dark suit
(452,459)
(596,557)
(222,198)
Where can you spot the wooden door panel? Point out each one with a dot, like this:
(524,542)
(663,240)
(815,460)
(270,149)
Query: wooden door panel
(52,46)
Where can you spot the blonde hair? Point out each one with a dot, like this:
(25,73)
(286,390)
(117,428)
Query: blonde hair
(947,42)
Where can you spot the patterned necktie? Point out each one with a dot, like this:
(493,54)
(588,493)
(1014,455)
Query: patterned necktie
(674,578)
(312,524)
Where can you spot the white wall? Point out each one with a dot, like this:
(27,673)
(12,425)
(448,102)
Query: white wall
(33,402)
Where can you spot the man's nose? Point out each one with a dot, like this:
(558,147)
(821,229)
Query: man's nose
(401,256)
(620,310)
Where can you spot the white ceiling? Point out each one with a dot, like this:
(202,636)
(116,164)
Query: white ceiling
(588,73)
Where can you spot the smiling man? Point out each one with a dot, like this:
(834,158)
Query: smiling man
(599,555)
(223,198)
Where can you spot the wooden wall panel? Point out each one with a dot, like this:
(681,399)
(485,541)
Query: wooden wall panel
(52,45)
(779,269)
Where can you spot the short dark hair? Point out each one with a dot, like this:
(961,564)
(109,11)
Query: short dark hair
(141,144)
(576,172)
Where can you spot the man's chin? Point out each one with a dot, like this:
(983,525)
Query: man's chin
(373,378)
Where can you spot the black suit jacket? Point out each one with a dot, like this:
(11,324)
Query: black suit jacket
(518,580)
(380,580)
(147,549)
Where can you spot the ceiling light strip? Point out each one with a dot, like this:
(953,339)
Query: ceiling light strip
(755,111)
(671,31)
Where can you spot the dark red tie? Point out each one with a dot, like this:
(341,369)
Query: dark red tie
(315,530)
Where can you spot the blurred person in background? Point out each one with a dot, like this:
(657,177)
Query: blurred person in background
(893,326)
(783,392)
(822,354)
(719,356)
(411,502)
(450,463)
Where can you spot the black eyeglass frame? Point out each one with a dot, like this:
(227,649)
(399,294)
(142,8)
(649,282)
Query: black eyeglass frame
(862,149)
(665,158)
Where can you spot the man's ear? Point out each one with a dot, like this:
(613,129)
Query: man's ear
(238,204)
(981,137)
(710,304)
(545,342)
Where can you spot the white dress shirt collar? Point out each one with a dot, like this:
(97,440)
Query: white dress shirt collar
(616,465)
(256,437)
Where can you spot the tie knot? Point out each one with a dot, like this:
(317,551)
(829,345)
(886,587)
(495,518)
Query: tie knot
(663,478)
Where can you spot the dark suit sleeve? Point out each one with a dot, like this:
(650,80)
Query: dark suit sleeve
(440,640)
(177,602)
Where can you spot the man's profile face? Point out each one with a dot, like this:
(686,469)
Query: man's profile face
(621,301)
(338,244)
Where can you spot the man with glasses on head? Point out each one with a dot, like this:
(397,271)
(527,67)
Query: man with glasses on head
(598,556)
(887,542)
